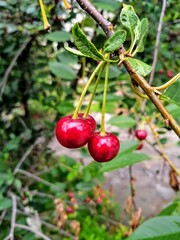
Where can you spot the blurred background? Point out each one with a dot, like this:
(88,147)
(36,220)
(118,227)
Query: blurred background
(61,193)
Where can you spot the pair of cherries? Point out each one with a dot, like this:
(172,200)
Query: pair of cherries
(77,132)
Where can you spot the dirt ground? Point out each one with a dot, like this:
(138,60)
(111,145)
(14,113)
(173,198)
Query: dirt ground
(151,184)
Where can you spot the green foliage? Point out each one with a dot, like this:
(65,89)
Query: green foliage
(84,45)
(160,228)
(129,18)
(62,70)
(122,122)
(171,94)
(58,36)
(140,67)
(116,40)
(45,83)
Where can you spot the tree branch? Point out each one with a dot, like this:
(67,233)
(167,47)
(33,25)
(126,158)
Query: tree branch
(156,49)
(36,232)
(108,29)
(23,158)
(9,69)
(13,217)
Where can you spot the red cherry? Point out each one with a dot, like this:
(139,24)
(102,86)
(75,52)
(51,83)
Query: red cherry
(98,200)
(103,148)
(70,194)
(170,73)
(69,210)
(73,133)
(161,71)
(90,119)
(88,200)
(141,134)
(140,146)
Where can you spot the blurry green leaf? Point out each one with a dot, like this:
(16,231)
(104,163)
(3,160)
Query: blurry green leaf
(13,144)
(169,210)
(115,41)
(123,160)
(3,4)
(114,72)
(172,94)
(85,186)
(106,4)
(122,122)
(17,184)
(85,46)
(143,34)
(140,67)
(67,58)
(110,97)
(62,71)
(128,17)
(158,228)
(65,107)
(174,110)
(58,36)
(5,203)
(128,146)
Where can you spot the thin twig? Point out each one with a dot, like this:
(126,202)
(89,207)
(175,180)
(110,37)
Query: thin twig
(61,231)
(49,225)
(38,179)
(23,158)
(36,232)
(13,217)
(131,182)
(9,69)
(93,12)
(161,149)
(156,49)
(3,214)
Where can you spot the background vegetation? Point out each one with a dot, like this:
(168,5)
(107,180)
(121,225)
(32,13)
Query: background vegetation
(61,197)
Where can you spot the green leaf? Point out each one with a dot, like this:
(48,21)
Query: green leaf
(122,122)
(58,36)
(137,30)
(67,58)
(172,93)
(128,17)
(109,97)
(174,110)
(106,4)
(140,67)
(115,41)
(124,160)
(5,203)
(128,146)
(62,71)
(75,51)
(143,34)
(158,228)
(85,46)
(169,210)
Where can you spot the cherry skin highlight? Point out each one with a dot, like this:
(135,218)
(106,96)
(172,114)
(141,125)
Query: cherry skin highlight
(141,134)
(103,148)
(90,119)
(73,133)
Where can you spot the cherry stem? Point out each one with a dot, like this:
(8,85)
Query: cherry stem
(75,115)
(94,91)
(103,132)
(46,23)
